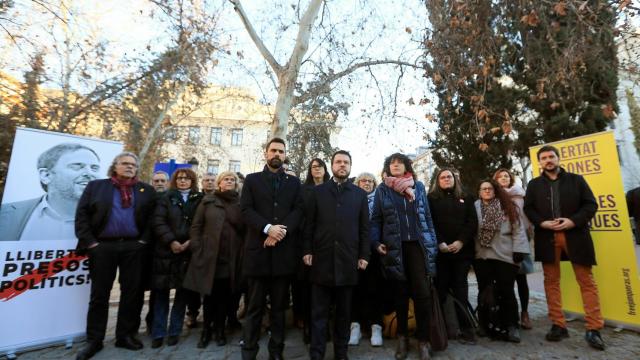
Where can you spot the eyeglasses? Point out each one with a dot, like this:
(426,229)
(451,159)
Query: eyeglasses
(316,167)
(128,164)
(183,178)
(486,189)
(366,181)
(446,177)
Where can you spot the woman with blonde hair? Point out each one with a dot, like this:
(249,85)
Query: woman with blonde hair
(216,262)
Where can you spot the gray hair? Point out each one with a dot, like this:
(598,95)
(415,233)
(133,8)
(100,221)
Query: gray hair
(160,172)
(366,175)
(49,158)
(112,167)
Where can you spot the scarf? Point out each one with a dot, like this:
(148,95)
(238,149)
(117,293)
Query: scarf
(125,187)
(491,221)
(403,185)
(227,196)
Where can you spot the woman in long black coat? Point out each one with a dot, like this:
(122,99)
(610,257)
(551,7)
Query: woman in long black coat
(217,251)
(171,223)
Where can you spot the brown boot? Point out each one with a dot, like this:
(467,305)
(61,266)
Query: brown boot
(402,350)
(423,350)
(525,322)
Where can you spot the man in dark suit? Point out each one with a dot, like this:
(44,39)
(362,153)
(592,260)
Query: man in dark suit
(336,245)
(112,226)
(272,210)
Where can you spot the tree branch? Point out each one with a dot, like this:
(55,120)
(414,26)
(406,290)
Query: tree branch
(312,92)
(304,33)
(237,6)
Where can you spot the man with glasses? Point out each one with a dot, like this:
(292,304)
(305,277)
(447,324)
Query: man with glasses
(113,229)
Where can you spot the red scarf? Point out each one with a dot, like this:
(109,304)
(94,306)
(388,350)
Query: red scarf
(403,185)
(126,189)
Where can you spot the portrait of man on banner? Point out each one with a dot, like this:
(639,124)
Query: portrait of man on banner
(64,171)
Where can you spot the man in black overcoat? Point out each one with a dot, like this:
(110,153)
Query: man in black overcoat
(272,210)
(336,245)
(560,205)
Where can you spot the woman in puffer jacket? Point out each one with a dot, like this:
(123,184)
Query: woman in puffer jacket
(506,180)
(171,224)
(402,233)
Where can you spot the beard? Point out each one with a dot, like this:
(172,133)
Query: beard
(275,163)
(552,170)
(341,177)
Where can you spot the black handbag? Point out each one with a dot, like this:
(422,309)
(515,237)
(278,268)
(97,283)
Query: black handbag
(437,325)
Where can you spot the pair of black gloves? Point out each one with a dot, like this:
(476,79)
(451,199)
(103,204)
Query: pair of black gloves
(518,257)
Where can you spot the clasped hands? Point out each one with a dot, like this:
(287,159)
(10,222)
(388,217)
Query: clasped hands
(274,235)
(559,224)
(308,260)
(177,248)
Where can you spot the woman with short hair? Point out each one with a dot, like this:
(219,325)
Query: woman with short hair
(217,248)
(500,245)
(171,223)
(402,233)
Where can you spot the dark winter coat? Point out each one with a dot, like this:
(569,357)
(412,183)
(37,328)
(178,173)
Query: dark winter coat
(95,206)
(336,233)
(261,205)
(385,229)
(214,217)
(576,203)
(454,219)
(172,222)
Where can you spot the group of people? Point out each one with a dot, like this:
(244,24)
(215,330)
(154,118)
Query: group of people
(336,247)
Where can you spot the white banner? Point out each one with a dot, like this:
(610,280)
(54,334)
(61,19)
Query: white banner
(44,286)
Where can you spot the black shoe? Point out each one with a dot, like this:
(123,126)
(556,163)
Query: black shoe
(129,342)
(467,337)
(221,339)
(594,339)
(90,349)
(172,340)
(205,338)
(273,356)
(156,343)
(402,349)
(513,334)
(557,333)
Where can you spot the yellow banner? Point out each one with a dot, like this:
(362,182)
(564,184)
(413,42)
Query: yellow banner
(595,157)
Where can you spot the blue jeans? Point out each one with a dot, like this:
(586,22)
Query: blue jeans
(161,310)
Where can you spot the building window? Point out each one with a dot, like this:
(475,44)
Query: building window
(236,137)
(170,134)
(234,165)
(194,134)
(213,166)
(216,135)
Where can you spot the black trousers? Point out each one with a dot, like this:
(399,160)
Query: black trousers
(452,274)
(277,287)
(301,299)
(105,260)
(321,299)
(217,303)
(502,275)
(418,287)
(368,299)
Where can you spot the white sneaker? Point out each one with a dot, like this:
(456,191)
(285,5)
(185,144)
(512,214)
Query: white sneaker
(376,335)
(356,335)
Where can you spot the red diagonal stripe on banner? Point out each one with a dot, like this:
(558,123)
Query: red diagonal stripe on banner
(37,276)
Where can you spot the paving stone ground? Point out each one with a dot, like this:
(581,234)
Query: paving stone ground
(621,345)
